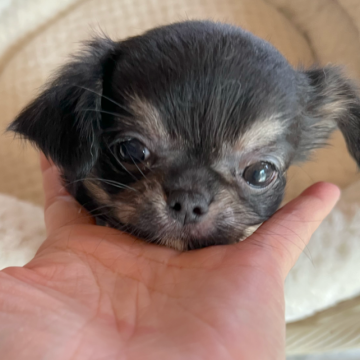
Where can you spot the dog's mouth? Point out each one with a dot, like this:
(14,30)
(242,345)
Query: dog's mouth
(207,232)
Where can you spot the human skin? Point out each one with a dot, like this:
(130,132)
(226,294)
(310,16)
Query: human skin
(95,293)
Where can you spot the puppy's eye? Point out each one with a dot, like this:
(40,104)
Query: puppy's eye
(260,174)
(132,151)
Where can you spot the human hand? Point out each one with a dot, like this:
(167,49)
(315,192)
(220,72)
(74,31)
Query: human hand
(95,293)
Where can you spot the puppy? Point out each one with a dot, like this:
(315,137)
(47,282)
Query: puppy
(182,136)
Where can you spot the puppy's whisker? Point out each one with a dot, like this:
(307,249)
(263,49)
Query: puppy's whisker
(109,207)
(121,164)
(106,181)
(147,166)
(116,184)
(132,159)
(102,215)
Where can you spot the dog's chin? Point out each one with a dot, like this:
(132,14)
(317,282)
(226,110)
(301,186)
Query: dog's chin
(187,237)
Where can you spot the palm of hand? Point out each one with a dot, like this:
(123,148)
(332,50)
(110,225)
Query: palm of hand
(94,293)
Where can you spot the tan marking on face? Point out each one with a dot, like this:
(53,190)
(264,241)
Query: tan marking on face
(249,231)
(126,212)
(226,203)
(174,243)
(99,194)
(260,134)
(149,115)
(129,202)
(223,203)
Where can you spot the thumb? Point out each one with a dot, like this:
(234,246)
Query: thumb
(61,209)
(288,231)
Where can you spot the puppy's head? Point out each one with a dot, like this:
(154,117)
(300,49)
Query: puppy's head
(183,135)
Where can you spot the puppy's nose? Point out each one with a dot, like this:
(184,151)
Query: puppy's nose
(187,207)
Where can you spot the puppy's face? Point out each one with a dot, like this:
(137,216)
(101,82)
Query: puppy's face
(183,136)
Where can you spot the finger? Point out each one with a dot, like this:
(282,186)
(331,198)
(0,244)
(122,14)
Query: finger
(61,209)
(288,231)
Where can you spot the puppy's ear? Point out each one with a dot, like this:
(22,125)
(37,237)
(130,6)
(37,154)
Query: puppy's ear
(332,101)
(64,121)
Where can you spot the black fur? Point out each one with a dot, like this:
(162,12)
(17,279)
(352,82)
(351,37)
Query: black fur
(56,122)
(333,101)
(192,92)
